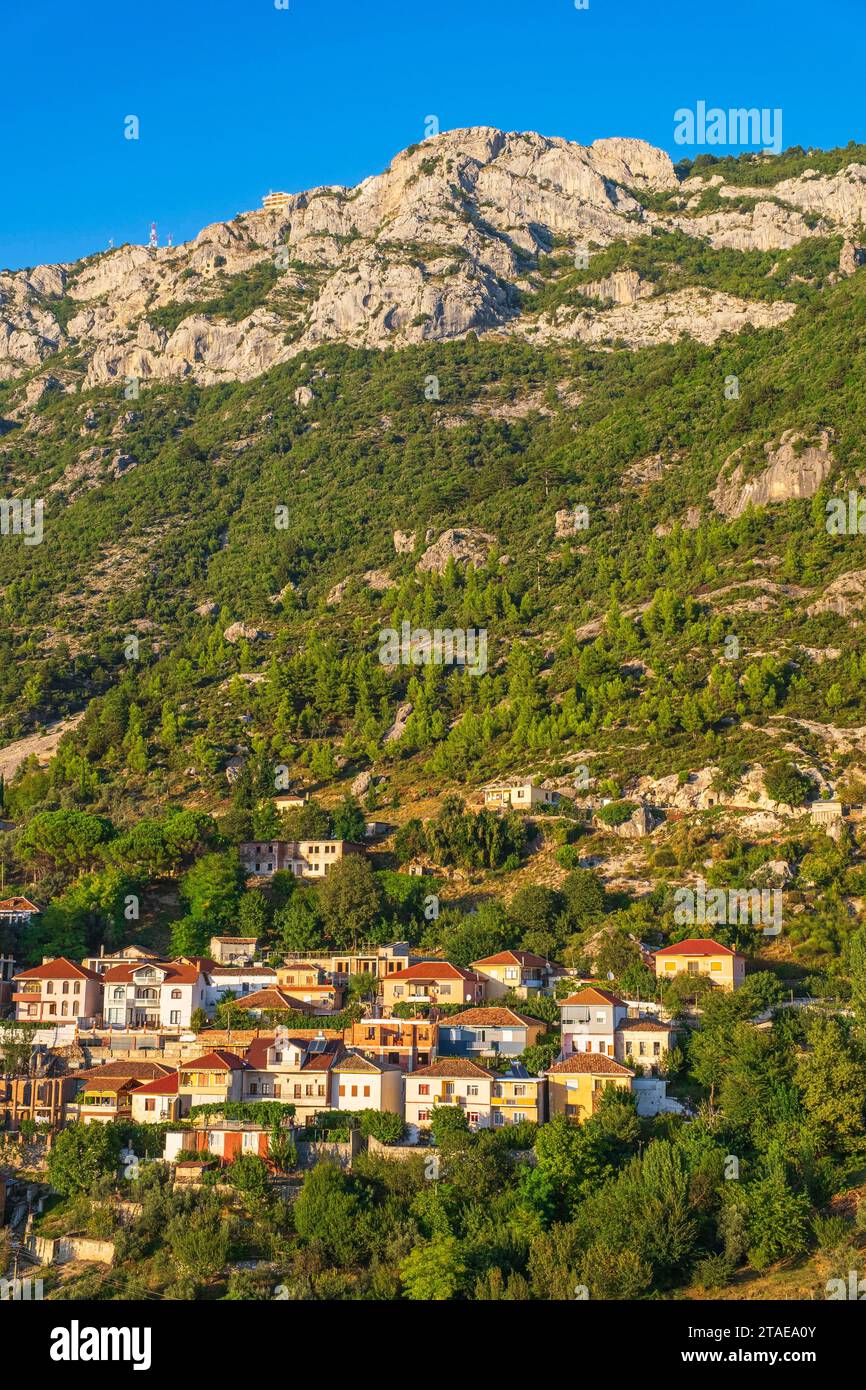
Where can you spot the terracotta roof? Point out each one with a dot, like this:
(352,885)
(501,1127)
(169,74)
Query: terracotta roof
(176,973)
(492,1018)
(111,1083)
(271,999)
(334,1049)
(644,1025)
(244,940)
(141,1071)
(590,1064)
(453,1066)
(433,970)
(591,995)
(162,1086)
(355,1061)
(59,969)
(16,904)
(513,958)
(218,1060)
(697,946)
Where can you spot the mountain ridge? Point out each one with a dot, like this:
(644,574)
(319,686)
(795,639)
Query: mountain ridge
(449,239)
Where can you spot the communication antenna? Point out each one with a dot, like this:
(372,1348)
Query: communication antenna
(154,239)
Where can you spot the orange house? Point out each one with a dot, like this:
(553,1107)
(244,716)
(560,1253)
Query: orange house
(404,1042)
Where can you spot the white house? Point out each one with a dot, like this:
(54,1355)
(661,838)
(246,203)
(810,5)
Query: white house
(239,980)
(518,794)
(156,994)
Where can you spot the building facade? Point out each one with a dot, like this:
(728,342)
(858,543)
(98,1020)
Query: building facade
(55,990)
(702,956)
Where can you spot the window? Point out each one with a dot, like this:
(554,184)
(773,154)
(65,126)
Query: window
(473,1117)
(176,994)
(366,1090)
(715,965)
(423,1116)
(520,1090)
(354,1090)
(76,988)
(250,1143)
(150,1104)
(65,986)
(423,1090)
(600,1017)
(64,1008)
(657,1047)
(471,1090)
(174,1016)
(49,987)
(341,1090)
(641,1049)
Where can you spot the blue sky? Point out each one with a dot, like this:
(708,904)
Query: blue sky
(236,96)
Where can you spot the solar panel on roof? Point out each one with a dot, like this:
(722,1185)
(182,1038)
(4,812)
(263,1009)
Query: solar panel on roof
(318,1044)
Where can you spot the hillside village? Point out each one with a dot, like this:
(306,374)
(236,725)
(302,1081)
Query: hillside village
(433,767)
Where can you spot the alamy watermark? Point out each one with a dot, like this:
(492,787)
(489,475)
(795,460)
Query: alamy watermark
(19,516)
(460,646)
(737,126)
(846,516)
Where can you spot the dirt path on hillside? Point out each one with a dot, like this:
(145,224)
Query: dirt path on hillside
(43,745)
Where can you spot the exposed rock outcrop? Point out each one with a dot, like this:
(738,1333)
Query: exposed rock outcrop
(794,469)
(845,595)
(463,545)
(243,632)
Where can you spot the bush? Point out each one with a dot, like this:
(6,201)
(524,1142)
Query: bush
(616,813)
(568,856)
(713,1272)
(383,1125)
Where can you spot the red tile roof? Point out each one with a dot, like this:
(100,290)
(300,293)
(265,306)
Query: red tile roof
(434,970)
(493,1018)
(110,1083)
(453,1066)
(218,1060)
(355,1061)
(59,969)
(590,1064)
(176,972)
(162,1086)
(16,904)
(591,995)
(697,946)
(513,958)
(140,1071)
(271,999)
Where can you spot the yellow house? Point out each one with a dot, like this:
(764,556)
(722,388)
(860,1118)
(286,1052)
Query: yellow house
(516,972)
(702,956)
(575,1085)
(518,1096)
